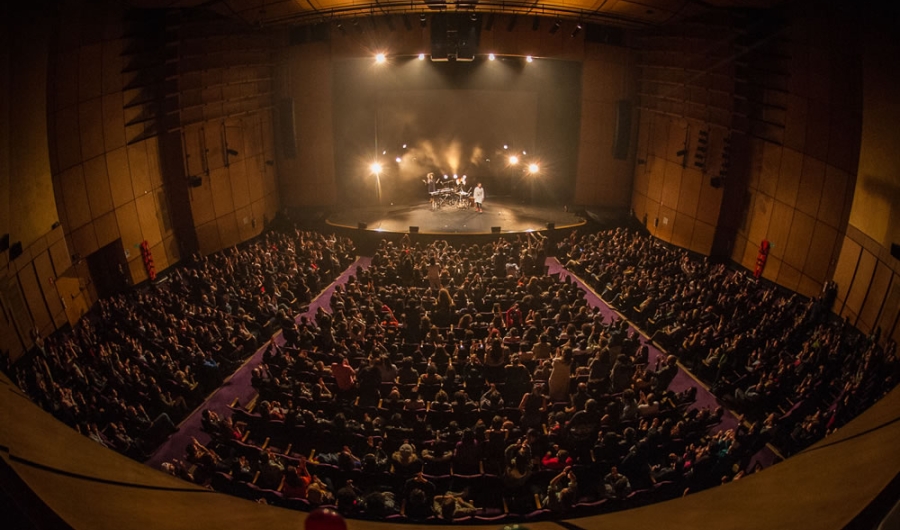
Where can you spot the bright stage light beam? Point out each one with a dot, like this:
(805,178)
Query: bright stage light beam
(529,59)
(491,56)
(380,58)
(533,169)
(513,160)
(375,168)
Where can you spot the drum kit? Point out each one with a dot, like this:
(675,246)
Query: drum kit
(450,197)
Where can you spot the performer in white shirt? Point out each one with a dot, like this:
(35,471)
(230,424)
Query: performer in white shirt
(478,195)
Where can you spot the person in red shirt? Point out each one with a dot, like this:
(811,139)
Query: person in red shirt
(344,375)
(296,481)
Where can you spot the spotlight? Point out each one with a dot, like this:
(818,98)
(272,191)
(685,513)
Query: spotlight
(404,146)
(375,168)
(384,152)
(398,159)
(529,59)
(473,17)
(491,57)
(513,160)
(577,29)
(533,168)
(555,27)
(421,56)
(422,20)
(380,58)
(505,146)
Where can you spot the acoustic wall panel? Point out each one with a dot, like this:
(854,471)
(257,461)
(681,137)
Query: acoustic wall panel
(90,122)
(811,183)
(140,171)
(106,228)
(120,186)
(148,219)
(861,280)
(96,181)
(78,211)
(799,240)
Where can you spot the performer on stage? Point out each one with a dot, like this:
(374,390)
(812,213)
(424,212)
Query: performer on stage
(432,187)
(478,195)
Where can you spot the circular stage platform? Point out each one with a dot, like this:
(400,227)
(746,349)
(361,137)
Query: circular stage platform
(499,216)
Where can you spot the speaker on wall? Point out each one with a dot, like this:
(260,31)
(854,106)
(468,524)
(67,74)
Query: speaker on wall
(495,229)
(15,250)
(288,135)
(361,225)
(413,229)
(623,129)
(551,226)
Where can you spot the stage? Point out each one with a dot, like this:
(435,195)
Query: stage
(505,215)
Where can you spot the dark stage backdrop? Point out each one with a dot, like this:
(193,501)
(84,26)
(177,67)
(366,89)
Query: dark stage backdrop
(455,118)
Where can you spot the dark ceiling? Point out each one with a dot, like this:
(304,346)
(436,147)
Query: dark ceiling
(624,13)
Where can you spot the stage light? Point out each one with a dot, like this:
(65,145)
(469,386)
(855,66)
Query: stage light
(505,146)
(404,146)
(422,20)
(421,56)
(529,59)
(375,168)
(533,168)
(555,27)
(513,160)
(577,29)
(380,58)
(384,152)
(398,159)
(524,152)
(491,56)
(455,176)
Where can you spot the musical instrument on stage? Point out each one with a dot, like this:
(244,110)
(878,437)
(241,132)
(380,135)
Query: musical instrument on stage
(444,197)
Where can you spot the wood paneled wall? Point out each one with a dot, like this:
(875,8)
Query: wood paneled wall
(107,180)
(686,89)
(225,102)
(867,274)
(803,164)
(608,77)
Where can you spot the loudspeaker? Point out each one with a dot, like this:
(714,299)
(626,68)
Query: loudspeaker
(895,250)
(195,182)
(495,229)
(413,229)
(623,130)
(4,242)
(288,135)
(15,251)
(361,225)
(551,226)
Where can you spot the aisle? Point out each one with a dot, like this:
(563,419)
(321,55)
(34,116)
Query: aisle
(238,385)
(682,381)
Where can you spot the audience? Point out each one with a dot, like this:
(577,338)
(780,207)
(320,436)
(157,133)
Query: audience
(466,369)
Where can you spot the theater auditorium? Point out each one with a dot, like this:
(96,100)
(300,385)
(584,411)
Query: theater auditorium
(333,264)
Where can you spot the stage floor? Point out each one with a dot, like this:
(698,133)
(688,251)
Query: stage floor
(510,216)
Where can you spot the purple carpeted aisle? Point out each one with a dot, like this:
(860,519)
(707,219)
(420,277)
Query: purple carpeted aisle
(238,385)
(682,381)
